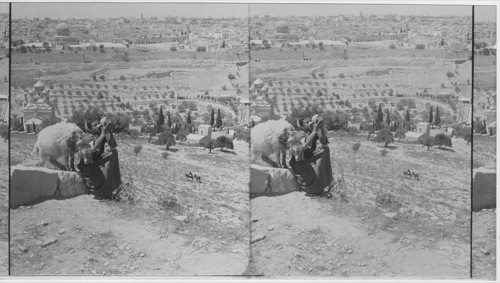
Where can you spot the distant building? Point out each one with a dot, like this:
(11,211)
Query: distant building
(63,36)
(464,111)
(193,138)
(490,116)
(259,104)
(423,127)
(205,130)
(282,34)
(37,108)
(244,112)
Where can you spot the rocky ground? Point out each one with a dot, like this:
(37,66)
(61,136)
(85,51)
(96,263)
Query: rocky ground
(168,226)
(385,226)
(484,222)
(484,244)
(4,208)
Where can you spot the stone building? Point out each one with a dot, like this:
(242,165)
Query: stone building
(244,112)
(423,127)
(282,34)
(490,116)
(36,107)
(204,130)
(63,36)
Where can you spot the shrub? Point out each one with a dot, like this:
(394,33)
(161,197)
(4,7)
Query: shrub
(426,140)
(353,130)
(207,142)
(122,78)
(387,200)
(450,74)
(170,203)
(355,147)
(224,142)
(385,136)
(166,138)
(137,150)
(134,134)
(442,139)
(181,136)
(400,134)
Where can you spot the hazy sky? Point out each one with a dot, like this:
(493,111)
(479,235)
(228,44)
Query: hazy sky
(485,13)
(335,9)
(113,10)
(4,7)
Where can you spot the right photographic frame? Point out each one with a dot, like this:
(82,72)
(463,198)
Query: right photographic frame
(484,144)
(361,140)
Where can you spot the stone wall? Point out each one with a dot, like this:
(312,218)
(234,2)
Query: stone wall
(271,181)
(484,189)
(33,184)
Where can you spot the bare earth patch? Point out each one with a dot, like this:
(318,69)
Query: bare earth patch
(169,226)
(484,244)
(422,230)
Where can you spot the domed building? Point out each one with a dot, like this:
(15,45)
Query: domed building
(282,27)
(282,34)
(36,107)
(63,36)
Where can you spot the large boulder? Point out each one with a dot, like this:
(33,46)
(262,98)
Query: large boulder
(484,189)
(31,184)
(271,181)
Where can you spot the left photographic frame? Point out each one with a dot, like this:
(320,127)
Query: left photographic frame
(148,105)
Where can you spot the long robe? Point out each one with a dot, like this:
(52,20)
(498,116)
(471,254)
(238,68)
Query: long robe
(103,176)
(314,173)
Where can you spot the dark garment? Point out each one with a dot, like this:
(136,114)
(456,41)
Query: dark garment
(92,175)
(103,176)
(314,173)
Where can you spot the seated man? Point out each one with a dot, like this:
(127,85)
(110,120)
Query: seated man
(99,166)
(310,162)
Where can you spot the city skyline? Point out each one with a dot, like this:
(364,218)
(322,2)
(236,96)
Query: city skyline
(237,10)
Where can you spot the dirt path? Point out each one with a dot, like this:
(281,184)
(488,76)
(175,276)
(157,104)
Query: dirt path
(304,237)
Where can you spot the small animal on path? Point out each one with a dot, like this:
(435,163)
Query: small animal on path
(198,178)
(189,176)
(415,175)
(407,173)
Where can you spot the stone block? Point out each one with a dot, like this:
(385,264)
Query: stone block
(71,184)
(271,181)
(32,184)
(484,189)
